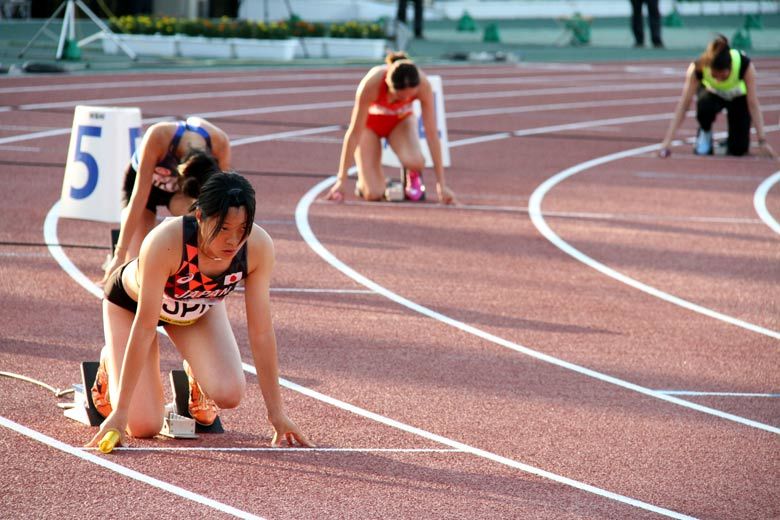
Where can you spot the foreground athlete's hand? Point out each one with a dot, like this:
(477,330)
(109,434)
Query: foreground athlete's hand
(285,430)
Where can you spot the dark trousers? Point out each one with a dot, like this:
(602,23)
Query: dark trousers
(708,105)
(418,15)
(654,21)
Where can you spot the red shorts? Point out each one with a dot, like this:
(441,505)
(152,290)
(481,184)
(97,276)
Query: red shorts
(383,124)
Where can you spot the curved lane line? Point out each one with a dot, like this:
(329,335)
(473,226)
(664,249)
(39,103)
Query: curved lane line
(759,201)
(50,234)
(535,212)
(122,470)
(301,218)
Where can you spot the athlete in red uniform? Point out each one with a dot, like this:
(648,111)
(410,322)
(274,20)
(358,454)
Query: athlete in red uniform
(383,108)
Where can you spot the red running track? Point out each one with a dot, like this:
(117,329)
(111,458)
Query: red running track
(449,362)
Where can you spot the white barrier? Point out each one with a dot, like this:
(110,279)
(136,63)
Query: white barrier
(101,142)
(390,159)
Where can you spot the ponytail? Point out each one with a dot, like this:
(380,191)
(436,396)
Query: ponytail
(402,71)
(393,56)
(717,55)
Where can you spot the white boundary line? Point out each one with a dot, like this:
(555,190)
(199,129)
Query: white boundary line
(50,234)
(759,201)
(476,451)
(535,212)
(715,394)
(122,470)
(282,449)
(301,217)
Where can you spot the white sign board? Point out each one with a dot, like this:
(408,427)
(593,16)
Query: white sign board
(101,142)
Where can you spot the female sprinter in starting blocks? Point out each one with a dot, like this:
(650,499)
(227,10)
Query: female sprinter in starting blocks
(174,160)
(186,268)
(383,108)
(721,78)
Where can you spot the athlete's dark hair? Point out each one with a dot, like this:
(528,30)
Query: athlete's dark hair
(717,56)
(195,168)
(402,71)
(225,190)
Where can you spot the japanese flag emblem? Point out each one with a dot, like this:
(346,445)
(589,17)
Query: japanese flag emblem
(233,278)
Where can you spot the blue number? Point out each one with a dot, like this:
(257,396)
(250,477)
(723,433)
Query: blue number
(134,133)
(88,160)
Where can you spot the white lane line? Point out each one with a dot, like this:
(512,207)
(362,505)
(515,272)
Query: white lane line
(574,126)
(284,135)
(537,218)
(477,451)
(303,451)
(759,201)
(191,96)
(301,217)
(583,215)
(122,470)
(693,176)
(50,234)
(716,394)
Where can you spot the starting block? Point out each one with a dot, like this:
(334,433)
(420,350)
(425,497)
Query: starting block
(176,425)
(82,409)
(394,191)
(181,397)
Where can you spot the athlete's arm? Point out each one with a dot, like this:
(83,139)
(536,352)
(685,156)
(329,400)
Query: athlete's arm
(262,339)
(151,151)
(754,107)
(689,89)
(428,109)
(157,261)
(220,144)
(366,93)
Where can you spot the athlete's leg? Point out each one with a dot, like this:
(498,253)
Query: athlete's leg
(368,158)
(145,417)
(707,107)
(211,350)
(739,126)
(406,144)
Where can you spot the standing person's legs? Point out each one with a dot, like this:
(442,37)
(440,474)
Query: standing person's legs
(368,158)
(145,417)
(654,20)
(418,18)
(636,22)
(401,15)
(739,126)
(210,348)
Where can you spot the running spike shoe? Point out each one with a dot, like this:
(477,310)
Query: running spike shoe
(414,189)
(99,389)
(201,408)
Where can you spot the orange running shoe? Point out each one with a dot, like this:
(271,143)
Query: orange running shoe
(201,408)
(99,389)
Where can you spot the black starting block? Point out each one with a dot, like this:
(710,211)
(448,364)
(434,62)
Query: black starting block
(181,398)
(83,409)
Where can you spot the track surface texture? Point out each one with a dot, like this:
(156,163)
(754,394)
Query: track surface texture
(591,333)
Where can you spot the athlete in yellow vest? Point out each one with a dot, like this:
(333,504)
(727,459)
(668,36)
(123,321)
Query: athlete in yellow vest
(721,78)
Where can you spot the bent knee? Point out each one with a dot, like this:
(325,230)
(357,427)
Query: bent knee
(228,394)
